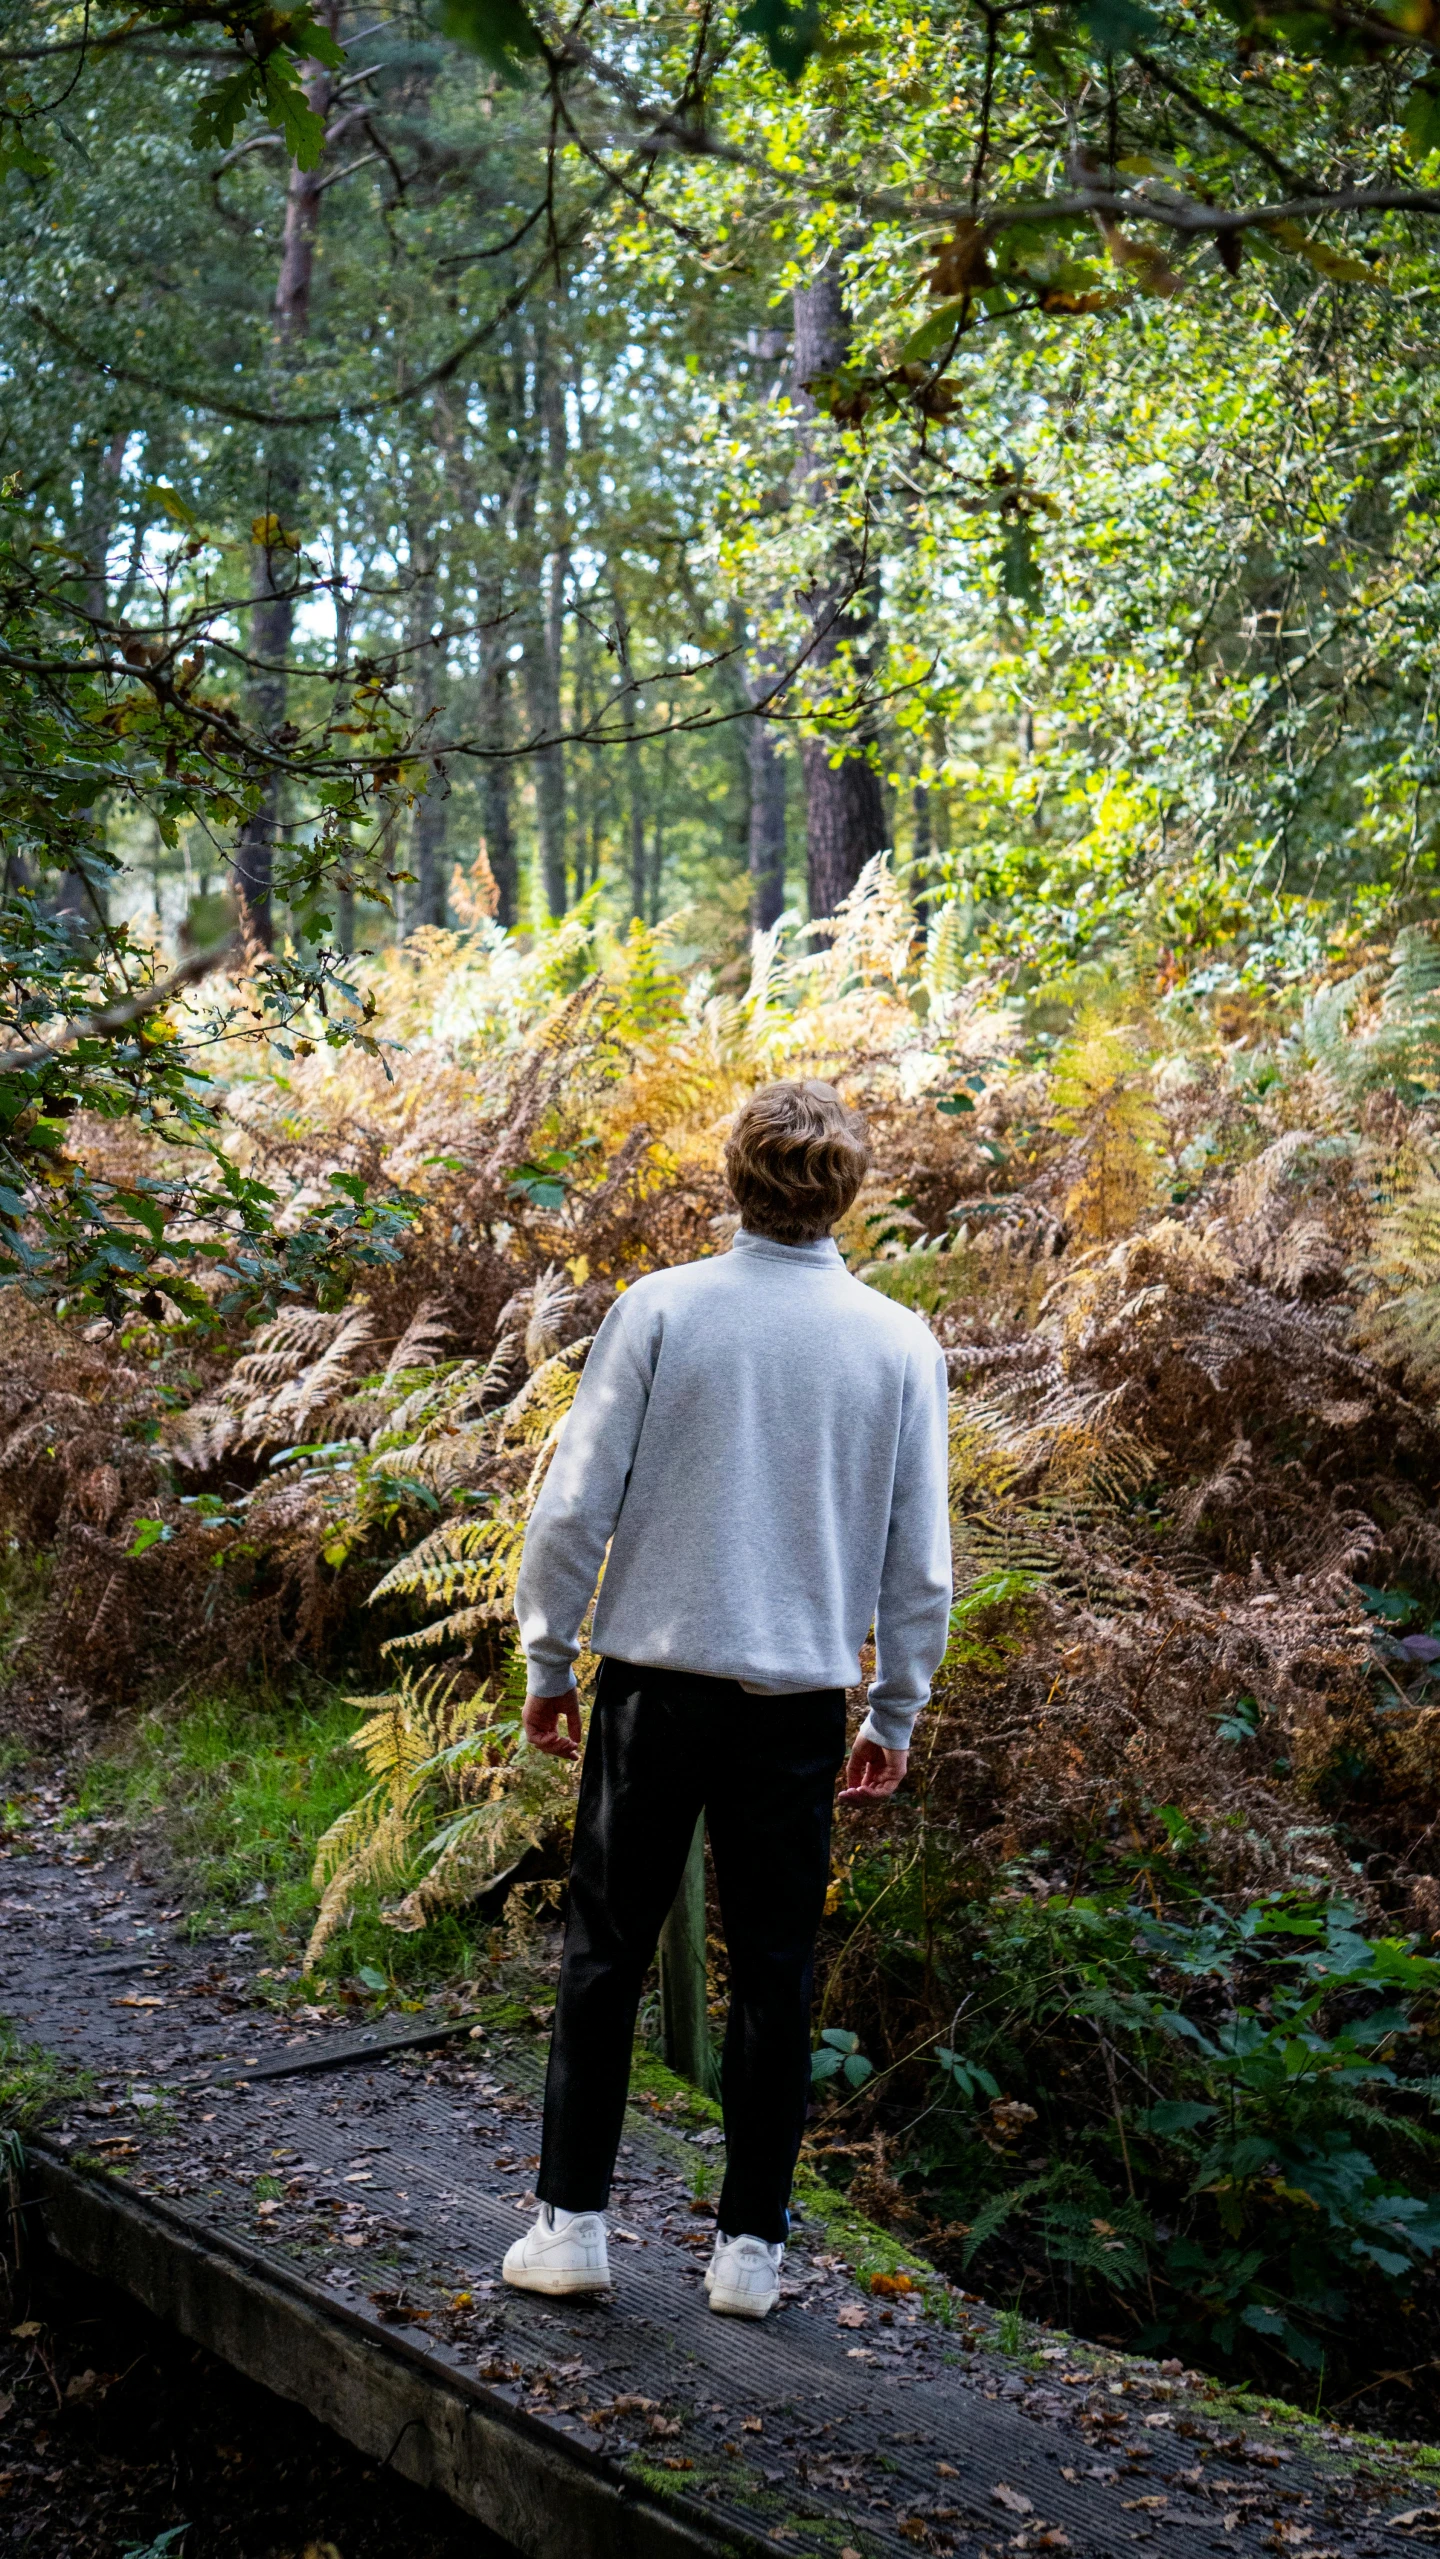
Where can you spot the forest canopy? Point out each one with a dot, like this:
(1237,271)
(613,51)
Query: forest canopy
(1005,440)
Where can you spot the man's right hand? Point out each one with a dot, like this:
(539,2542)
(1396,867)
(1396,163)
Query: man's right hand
(541,1720)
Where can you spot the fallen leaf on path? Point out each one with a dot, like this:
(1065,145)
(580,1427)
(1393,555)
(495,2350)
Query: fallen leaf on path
(1011,2500)
(852,2316)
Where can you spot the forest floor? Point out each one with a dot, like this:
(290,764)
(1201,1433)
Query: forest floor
(390,2188)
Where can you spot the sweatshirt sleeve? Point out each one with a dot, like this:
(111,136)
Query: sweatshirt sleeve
(912,1614)
(574,1519)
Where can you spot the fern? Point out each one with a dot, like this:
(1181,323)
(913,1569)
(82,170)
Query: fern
(451,1800)
(1103,1102)
(1401,1316)
(373,1841)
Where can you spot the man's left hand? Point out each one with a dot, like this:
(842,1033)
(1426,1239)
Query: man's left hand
(873,1775)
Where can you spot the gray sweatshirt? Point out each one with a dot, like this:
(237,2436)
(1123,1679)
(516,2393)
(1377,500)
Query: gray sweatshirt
(761,1441)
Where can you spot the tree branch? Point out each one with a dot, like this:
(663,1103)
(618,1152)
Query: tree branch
(1216,116)
(107,1024)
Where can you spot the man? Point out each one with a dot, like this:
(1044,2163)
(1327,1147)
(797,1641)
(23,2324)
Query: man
(760,1441)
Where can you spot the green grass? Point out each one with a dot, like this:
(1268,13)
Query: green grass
(234,1794)
(34,2085)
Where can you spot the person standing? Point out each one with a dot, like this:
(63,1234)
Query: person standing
(760,1441)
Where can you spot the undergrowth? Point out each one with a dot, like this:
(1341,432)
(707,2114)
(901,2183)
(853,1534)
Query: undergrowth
(234,1794)
(1127,2008)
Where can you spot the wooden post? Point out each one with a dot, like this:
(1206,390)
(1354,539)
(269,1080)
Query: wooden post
(684,2024)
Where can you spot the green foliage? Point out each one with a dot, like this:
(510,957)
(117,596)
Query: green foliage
(243,1787)
(502,32)
(788,29)
(838,2055)
(1259,2112)
(166,2545)
(94,1027)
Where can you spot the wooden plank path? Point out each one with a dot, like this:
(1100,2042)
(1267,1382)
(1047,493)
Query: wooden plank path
(327,2210)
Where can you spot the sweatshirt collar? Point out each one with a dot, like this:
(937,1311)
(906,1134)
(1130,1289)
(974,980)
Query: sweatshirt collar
(823,1255)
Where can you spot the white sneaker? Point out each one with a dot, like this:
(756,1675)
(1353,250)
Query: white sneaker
(561,2252)
(743,2276)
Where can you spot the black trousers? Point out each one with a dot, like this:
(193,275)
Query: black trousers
(663,1745)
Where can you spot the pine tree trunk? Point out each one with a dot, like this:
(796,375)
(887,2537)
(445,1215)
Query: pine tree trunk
(495,803)
(767,822)
(543,642)
(635,780)
(272,567)
(491,509)
(429,825)
(844,805)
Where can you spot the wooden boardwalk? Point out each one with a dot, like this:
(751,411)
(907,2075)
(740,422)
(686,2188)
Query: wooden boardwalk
(327,2210)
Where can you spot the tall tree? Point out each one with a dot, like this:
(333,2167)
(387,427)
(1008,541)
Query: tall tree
(544,636)
(766,843)
(844,807)
(426,665)
(274,577)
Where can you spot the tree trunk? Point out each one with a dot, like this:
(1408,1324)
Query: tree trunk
(635,780)
(657,831)
(844,805)
(429,823)
(494,721)
(923,857)
(493,511)
(767,818)
(272,618)
(79,899)
(344,607)
(272,578)
(544,639)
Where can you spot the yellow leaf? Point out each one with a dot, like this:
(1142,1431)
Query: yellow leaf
(272,535)
(1333,264)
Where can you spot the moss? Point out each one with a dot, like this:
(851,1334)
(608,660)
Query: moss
(650,2078)
(868,2249)
(661,2483)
